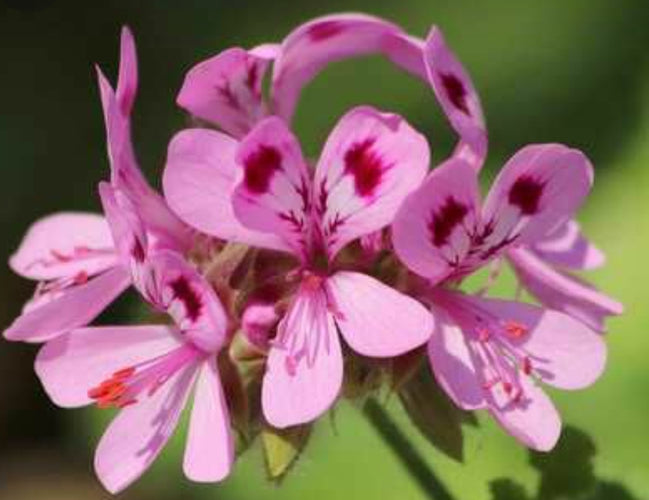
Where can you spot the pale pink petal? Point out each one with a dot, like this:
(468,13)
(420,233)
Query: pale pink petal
(539,188)
(74,308)
(457,97)
(533,419)
(370,163)
(227,89)
(64,245)
(376,320)
(274,193)
(563,292)
(567,247)
(432,231)
(73,364)
(139,432)
(453,364)
(304,370)
(313,45)
(209,453)
(175,287)
(199,178)
(562,351)
(407,52)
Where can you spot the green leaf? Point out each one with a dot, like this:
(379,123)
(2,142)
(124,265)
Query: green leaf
(282,447)
(434,414)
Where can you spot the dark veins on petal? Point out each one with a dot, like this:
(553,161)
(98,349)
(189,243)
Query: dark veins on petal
(184,292)
(138,252)
(260,167)
(324,30)
(455,91)
(365,165)
(526,194)
(450,215)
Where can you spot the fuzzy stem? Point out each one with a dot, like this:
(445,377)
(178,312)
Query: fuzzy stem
(410,458)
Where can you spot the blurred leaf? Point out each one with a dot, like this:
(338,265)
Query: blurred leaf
(506,489)
(282,447)
(433,413)
(362,376)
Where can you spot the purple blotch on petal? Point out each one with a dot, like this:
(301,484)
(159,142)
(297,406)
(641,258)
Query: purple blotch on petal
(526,194)
(451,214)
(260,167)
(455,91)
(365,165)
(324,30)
(184,292)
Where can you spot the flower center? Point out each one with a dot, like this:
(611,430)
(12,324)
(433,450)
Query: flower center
(124,387)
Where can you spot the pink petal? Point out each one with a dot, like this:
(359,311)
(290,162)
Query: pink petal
(74,308)
(227,90)
(72,364)
(458,98)
(562,351)
(313,45)
(370,163)
(453,364)
(533,420)
(560,291)
(176,288)
(274,193)
(567,247)
(539,188)
(304,370)
(199,178)
(209,453)
(139,432)
(125,225)
(431,233)
(127,79)
(376,320)
(64,245)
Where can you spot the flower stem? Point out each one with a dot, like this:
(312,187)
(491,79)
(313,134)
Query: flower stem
(410,458)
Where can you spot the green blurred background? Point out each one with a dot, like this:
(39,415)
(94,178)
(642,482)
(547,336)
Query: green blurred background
(575,72)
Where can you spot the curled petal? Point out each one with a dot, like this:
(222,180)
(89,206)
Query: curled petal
(227,89)
(567,247)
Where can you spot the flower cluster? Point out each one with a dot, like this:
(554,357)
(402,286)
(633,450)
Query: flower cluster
(283,278)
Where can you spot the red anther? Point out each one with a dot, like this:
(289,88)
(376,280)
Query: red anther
(311,281)
(483,334)
(81,278)
(60,257)
(124,373)
(508,387)
(515,329)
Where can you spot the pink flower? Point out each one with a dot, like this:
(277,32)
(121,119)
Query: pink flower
(72,255)
(227,89)
(369,164)
(488,353)
(148,372)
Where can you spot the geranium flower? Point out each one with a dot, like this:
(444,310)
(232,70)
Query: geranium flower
(369,164)
(73,255)
(487,353)
(226,90)
(148,372)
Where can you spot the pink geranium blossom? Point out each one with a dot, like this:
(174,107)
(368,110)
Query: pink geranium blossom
(73,255)
(487,353)
(369,164)
(148,372)
(226,90)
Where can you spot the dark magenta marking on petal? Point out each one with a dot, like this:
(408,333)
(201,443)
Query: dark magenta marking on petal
(324,30)
(455,91)
(444,221)
(252,74)
(138,252)
(184,292)
(260,167)
(365,165)
(225,91)
(526,194)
